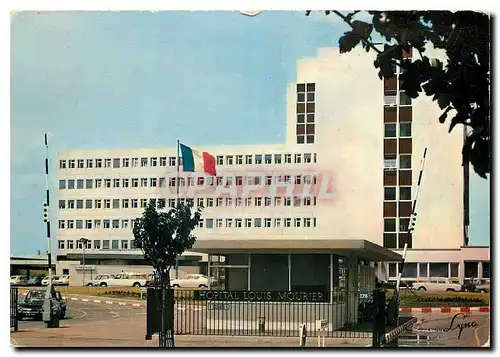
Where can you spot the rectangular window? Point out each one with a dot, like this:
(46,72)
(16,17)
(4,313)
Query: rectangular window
(98,183)
(144,161)
(125,183)
(307,158)
(154,161)
(210,202)
(390,98)
(277,158)
(88,183)
(81,163)
(239,159)
(218,202)
(267,201)
(258,201)
(107,203)
(389,130)
(98,203)
(171,202)
(62,184)
(62,204)
(248,223)
(248,159)
(229,201)
(239,222)
(220,160)
(107,162)
(116,203)
(298,158)
(135,182)
(144,182)
(218,223)
(171,161)
(161,203)
(88,204)
(277,201)
(60,244)
(405,130)
(88,224)
(268,159)
(116,163)
(90,163)
(288,158)
(390,240)
(288,222)
(71,184)
(152,181)
(97,223)
(62,224)
(161,181)
(287,201)
(107,183)
(390,193)
(163,161)
(153,201)
(116,183)
(135,162)
(71,224)
(79,204)
(71,204)
(79,184)
(248,202)
(62,164)
(229,222)
(229,159)
(258,159)
(404,223)
(98,163)
(389,225)
(144,202)
(297,201)
(307,201)
(79,224)
(105,244)
(124,244)
(405,161)
(296,222)
(71,244)
(405,193)
(277,222)
(209,223)
(126,162)
(114,244)
(404,99)
(423,270)
(239,201)
(116,223)
(171,182)
(307,222)
(97,244)
(257,222)
(106,223)
(134,203)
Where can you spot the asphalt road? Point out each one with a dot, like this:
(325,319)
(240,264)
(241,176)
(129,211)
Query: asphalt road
(443,330)
(83,312)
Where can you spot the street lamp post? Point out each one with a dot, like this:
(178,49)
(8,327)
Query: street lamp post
(84,242)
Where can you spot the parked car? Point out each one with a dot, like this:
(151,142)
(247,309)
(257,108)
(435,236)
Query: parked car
(99,278)
(32,305)
(62,280)
(191,281)
(45,281)
(35,280)
(125,279)
(483,285)
(18,280)
(437,284)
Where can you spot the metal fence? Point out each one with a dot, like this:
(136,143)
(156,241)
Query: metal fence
(13,308)
(344,314)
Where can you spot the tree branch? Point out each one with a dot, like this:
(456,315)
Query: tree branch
(348,21)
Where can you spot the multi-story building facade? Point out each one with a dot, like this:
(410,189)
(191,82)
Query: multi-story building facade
(347,170)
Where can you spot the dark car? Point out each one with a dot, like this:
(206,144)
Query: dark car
(469,285)
(35,281)
(32,305)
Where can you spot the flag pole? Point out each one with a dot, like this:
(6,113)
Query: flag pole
(177,201)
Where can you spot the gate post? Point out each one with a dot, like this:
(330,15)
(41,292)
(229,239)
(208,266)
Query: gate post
(378,317)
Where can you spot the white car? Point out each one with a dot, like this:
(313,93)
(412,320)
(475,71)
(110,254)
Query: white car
(125,279)
(18,280)
(45,280)
(437,284)
(191,281)
(62,280)
(98,279)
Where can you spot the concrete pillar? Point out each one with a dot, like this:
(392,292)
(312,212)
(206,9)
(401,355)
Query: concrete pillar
(352,289)
(209,273)
(289,272)
(480,270)
(249,272)
(461,271)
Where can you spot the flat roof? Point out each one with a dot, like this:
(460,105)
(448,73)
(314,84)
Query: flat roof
(360,247)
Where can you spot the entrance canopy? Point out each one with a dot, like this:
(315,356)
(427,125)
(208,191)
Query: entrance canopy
(361,248)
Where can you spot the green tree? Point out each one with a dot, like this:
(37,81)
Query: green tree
(460,87)
(163,236)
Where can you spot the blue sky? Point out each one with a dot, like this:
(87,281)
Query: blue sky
(141,79)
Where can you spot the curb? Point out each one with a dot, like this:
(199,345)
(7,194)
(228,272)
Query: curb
(445,309)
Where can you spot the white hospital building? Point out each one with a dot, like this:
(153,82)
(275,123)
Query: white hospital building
(343,181)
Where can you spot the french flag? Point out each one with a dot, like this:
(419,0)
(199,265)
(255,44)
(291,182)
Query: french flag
(196,161)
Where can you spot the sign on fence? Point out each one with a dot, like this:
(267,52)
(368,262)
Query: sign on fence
(261,296)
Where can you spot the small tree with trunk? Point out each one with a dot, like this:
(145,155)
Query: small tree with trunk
(163,236)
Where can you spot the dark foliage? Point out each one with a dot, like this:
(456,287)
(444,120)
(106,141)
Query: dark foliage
(461,87)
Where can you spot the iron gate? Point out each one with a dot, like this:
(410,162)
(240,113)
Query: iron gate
(13,308)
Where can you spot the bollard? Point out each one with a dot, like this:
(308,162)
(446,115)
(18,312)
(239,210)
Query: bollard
(303,335)
(262,324)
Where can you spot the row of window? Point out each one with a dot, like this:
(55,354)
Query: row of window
(391,98)
(226,181)
(96,244)
(390,130)
(424,270)
(390,193)
(116,203)
(286,222)
(306,111)
(250,159)
(390,224)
